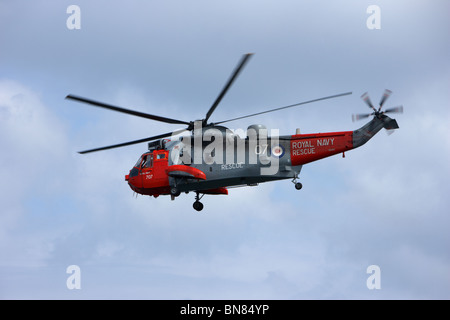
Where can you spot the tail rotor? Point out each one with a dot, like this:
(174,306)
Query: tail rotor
(377,112)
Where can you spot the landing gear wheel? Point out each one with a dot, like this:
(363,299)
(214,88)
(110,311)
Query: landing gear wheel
(174,191)
(298,185)
(198,205)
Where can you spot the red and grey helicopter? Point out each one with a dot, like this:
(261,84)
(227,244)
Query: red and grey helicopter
(212,158)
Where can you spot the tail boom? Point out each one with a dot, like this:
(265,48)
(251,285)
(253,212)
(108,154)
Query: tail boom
(307,148)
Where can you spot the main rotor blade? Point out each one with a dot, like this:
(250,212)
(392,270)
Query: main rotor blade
(366,99)
(235,73)
(132,112)
(290,106)
(398,109)
(385,96)
(133,142)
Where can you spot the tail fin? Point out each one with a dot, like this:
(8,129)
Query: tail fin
(390,124)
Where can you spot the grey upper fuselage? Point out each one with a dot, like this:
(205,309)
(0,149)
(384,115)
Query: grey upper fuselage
(227,159)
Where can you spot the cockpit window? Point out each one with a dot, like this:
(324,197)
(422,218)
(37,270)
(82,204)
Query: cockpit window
(145,161)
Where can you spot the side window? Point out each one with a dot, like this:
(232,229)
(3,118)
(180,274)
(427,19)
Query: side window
(161,156)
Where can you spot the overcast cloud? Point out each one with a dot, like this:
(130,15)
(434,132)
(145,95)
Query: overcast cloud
(385,204)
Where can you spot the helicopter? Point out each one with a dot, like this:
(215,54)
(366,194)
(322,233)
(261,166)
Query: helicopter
(212,158)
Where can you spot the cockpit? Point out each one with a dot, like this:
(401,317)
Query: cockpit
(145,161)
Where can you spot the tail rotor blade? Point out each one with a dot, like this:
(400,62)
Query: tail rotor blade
(390,131)
(385,96)
(398,109)
(366,99)
(356,117)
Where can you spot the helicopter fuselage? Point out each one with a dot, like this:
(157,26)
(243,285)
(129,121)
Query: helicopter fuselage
(256,161)
(170,166)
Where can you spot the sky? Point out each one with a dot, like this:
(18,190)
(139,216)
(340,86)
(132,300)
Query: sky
(385,204)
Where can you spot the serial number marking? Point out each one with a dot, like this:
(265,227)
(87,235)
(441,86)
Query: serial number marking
(231,166)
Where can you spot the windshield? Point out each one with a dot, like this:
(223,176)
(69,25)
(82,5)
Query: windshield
(138,163)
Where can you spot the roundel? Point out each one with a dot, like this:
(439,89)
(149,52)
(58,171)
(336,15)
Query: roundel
(277,151)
